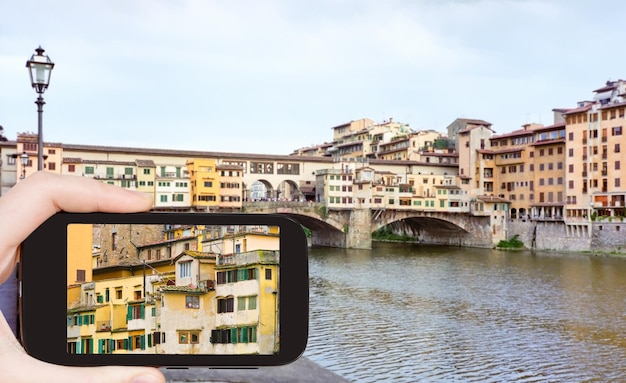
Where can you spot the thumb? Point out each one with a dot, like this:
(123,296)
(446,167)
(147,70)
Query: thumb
(18,367)
(24,368)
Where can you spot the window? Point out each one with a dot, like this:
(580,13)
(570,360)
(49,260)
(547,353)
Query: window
(208,184)
(184,269)
(616,131)
(113,241)
(146,171)
(192,302)
(163,198)
(225,305)
(268,274)
(136,312)
(89,170)
(118,293)
(188,337)
(570,168)
(617,182)
(246,303)
(80,275)
(137,294)
(244,334)
(617,165)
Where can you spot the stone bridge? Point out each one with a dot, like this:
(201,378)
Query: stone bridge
(353,228)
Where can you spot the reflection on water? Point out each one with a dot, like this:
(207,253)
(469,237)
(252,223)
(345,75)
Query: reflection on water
(404,313)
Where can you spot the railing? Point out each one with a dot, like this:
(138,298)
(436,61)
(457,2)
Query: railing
(103,325)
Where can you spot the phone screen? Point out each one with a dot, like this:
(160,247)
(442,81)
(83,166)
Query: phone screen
(172,289)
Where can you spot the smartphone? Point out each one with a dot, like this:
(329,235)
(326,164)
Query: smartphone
(165,289)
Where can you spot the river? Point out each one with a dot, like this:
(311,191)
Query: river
(413,313)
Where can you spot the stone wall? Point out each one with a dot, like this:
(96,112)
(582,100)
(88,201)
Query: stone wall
(609,236)
(127,238)
(551,235)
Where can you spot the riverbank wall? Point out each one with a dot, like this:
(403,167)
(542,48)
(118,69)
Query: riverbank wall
(600,236)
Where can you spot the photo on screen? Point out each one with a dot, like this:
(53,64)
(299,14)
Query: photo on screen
(172,289)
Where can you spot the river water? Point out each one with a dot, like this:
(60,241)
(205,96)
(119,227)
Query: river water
(412,313)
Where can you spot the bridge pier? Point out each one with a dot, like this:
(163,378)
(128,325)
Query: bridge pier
(359,230)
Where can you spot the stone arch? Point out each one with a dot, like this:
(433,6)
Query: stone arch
(288,190)
(260,190)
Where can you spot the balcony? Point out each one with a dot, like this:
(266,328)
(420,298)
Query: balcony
(103,325)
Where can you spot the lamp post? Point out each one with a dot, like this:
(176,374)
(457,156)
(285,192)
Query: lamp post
(40,67)
(24,162)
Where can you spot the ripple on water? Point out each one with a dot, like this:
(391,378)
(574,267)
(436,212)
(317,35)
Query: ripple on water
(465,316)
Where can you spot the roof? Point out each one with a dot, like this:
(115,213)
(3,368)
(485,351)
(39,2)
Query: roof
(519,132)
(578,110)
(229,167)
(145,163)
(548,142)
(492,199)
(182,289)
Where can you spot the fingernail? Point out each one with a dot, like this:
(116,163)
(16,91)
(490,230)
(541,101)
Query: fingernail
(146,379)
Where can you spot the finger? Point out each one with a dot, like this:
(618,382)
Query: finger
(29,203)
(18,367)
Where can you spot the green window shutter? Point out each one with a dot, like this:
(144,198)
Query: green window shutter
(128,171)
(252,303)
(106,295)
(130,343)
(244,335)
(126,344)
(162,171)
(100,346)
(178,172)
(253,334)
(233,335)
(129,313)
(99,298)
(80,320)
(92,319)
(154,311)
(149,340)
(241,303)
(109,172)
(112,344)
(82,347)
(143,311)
(142,341)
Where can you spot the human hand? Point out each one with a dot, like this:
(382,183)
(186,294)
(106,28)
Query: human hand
(26,206)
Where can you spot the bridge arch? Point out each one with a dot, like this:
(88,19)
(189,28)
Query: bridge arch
(260,190)
(288,190)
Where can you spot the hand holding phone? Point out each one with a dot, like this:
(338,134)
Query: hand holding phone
(165,289)
(22,210)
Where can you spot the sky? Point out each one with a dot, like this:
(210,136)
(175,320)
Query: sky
(271,76)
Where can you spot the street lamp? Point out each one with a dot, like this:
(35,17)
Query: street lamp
(40,67)
(24,162)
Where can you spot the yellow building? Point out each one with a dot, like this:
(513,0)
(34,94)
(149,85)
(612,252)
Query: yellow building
(146,176)
(28,145)
(247,303)
(231,186)
(514,169)
(79,250)
(204,179)
(185,312)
